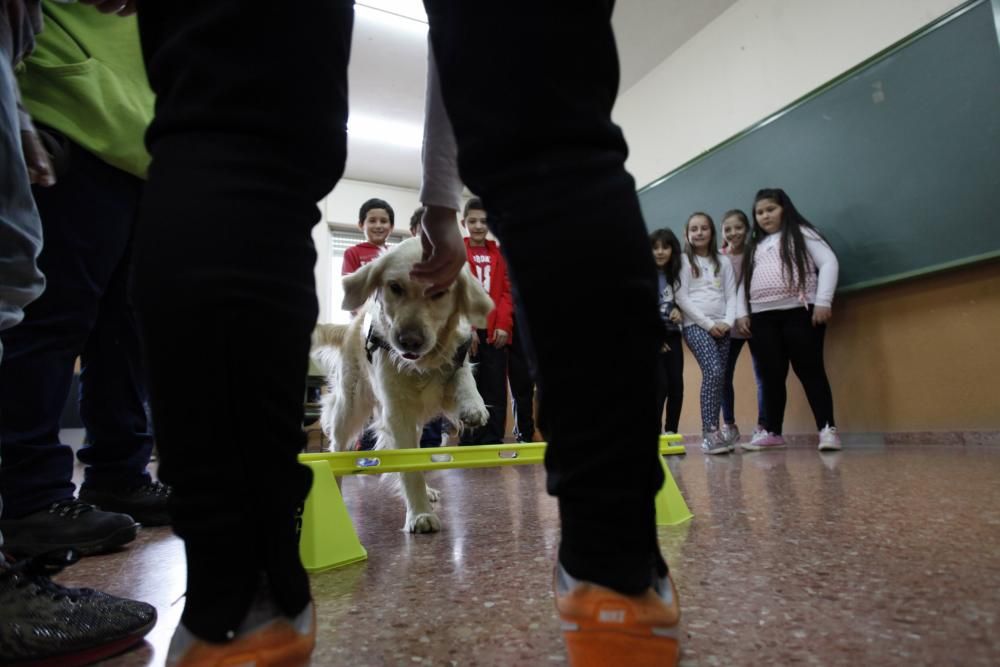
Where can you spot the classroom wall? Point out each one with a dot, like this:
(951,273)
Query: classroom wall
(755,58)
(914,356)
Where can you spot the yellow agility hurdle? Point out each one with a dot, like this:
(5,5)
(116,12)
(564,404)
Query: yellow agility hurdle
(327,538)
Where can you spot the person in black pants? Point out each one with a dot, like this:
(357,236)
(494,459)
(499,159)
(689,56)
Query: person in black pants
(87,219)
(490,345)
(521,378)
(670,390)
(249,134)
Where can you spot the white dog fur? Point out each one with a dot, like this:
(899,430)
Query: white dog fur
(416,379)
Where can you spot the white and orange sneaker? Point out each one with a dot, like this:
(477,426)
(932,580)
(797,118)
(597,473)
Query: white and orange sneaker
(274,642)
(602,627)
(829,441)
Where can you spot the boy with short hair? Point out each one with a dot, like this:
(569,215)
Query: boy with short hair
(376,220)
(489,345)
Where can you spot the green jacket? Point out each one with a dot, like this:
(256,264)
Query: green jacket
(86,79)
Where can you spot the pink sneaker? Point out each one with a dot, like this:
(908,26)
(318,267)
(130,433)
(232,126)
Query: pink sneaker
(763,441)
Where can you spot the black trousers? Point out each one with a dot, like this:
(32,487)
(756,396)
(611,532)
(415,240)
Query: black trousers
(552,176)
(88,219)
(491,382)
(670,389)
(249,134)
(781,337)
(521,379)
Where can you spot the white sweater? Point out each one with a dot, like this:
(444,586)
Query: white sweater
(441,185)
(708,298)
(822,257)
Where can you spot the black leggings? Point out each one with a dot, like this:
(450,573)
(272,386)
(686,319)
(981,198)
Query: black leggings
(670,389)
(783,336)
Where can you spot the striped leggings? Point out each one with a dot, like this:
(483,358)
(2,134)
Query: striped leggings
(712,355)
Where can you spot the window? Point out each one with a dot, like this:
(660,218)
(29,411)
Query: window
(340,240)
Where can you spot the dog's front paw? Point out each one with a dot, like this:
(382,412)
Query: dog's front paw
(474,416)
(426,522)
(433,494)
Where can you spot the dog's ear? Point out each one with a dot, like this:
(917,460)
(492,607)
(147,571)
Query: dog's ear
(361,284)
(472,299)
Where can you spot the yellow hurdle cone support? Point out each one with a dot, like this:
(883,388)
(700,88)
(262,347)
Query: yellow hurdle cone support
(670,506)
(327,538)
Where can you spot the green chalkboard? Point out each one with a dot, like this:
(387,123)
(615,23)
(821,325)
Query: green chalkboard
(897,161)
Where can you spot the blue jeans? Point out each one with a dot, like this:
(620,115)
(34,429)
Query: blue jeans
(87,218)
(20,229)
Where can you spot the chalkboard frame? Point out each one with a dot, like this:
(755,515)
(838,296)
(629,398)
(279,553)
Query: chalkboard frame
(848,74)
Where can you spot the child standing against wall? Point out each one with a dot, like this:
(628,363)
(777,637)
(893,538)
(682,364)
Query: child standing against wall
(489,345)
(707,297)
(784,302)
(735,229)
(667,257)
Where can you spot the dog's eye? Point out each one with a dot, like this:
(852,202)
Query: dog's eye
(396,288)
(438,295)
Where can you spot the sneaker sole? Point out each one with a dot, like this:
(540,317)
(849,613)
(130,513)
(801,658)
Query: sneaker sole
(119,538)
(601,648)
(272,648)
(91,655)
(762,448)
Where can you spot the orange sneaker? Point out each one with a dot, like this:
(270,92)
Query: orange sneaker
(278,642)
(603,627)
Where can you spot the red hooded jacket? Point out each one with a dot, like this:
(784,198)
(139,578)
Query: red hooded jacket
(489,266)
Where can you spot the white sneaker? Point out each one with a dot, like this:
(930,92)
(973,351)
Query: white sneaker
(764,440)
(829,441)
(731,435)
(712,443)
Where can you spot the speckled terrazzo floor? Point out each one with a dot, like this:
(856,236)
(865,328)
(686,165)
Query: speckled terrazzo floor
(873,556)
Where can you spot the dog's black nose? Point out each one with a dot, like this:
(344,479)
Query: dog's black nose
(410,341)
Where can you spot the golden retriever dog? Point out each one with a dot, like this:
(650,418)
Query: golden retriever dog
(405,367)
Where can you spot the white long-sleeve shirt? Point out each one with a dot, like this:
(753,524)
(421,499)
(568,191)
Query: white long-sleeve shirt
(709,298)
(768,251)
(441,186)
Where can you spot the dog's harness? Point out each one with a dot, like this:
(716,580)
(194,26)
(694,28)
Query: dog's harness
(375,342)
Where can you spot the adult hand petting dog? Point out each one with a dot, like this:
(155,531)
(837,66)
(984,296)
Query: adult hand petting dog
(444,251)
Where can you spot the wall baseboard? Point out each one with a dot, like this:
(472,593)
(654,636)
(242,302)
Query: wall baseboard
(893,438)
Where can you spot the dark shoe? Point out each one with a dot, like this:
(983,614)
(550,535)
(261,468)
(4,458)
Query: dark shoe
(44,623)
(67,524)
(147,504)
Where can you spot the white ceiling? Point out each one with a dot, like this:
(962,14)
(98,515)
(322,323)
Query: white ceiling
(388,69)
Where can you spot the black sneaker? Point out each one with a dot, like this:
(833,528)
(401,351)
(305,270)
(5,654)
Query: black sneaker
(67,524)
(43,623)
(147,504)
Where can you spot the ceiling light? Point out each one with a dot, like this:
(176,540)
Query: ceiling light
(383,131)
(412,10)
